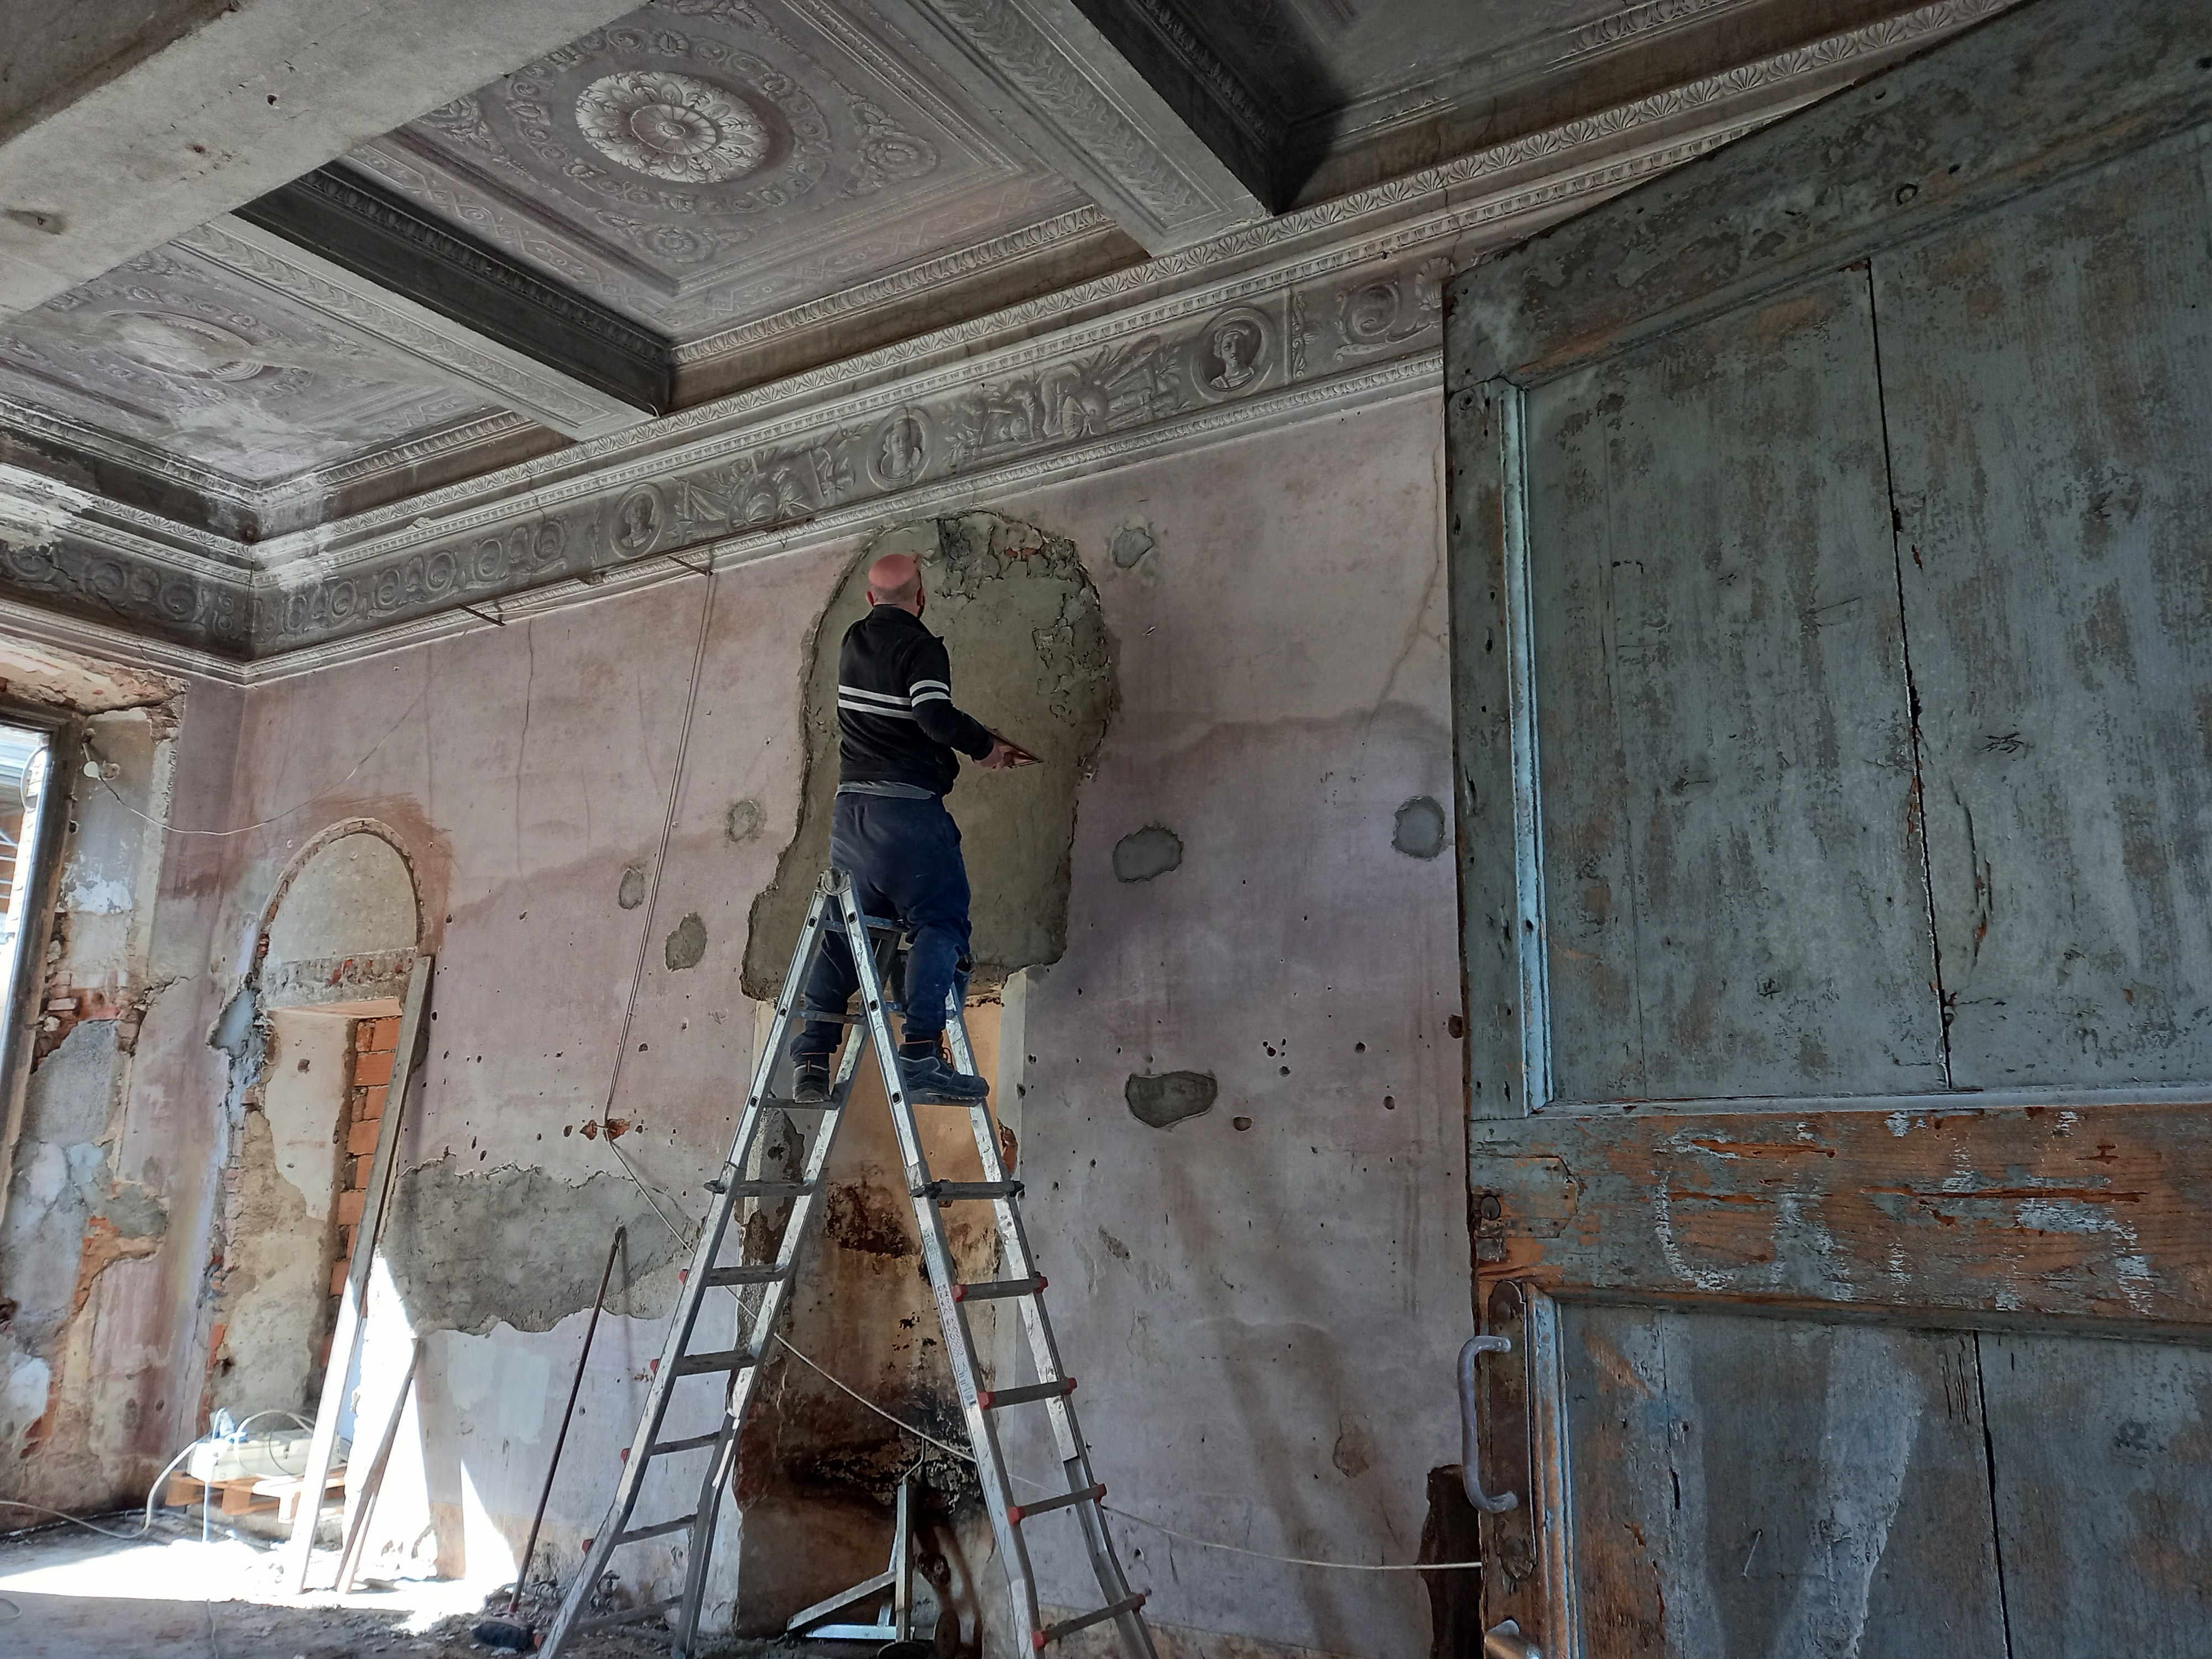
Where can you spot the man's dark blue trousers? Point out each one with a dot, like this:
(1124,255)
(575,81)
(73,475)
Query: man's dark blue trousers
(903,856)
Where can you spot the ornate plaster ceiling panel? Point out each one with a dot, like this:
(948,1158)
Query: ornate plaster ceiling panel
(170,353)
(702,163)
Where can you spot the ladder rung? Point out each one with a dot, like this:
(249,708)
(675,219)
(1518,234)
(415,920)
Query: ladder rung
(765,1273)
(992,1400)
(954,1192)
(663,1448)
(639,1533)
(724,1359)
(811,1017)
(768,1188)
(630,1616)
(992,1290)
(1069,1626)
(1046,1505)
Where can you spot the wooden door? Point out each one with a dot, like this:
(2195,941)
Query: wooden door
(1831,554)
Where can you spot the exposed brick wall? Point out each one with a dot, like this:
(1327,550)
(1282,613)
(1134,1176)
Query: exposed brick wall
(370,1059)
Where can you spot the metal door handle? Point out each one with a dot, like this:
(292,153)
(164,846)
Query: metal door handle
(1505,1641)
(1470,1425)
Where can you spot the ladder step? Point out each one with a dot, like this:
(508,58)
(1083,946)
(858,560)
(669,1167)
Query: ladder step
(992,1290)
(992,1400)
(1069,1626)
(809,1017)
(663,1448)
(1019,1512)
(764,1189)
(638,1533)
(725,1359)
(636,1615)
(766,1273)
(954,1192)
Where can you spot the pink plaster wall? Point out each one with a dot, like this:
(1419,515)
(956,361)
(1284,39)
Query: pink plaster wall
(1263,1320)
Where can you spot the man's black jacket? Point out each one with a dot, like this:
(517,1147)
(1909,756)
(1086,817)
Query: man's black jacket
(895,705)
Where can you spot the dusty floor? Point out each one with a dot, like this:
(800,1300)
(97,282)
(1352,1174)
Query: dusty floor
(67,1594)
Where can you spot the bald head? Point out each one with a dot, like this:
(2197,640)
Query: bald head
(896,580)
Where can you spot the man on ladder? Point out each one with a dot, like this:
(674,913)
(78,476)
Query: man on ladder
(897,858)
(898,731)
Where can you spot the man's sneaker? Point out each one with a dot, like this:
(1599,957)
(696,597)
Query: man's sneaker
(928,1080)
(810,1084)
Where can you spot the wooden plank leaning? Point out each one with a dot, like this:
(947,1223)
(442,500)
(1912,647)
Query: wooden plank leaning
(364,1511)
(346,1339)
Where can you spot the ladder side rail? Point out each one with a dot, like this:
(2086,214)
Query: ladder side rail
(937,1256)
(1020,1262)
(759,1327)
(758,1323)
(689,1299)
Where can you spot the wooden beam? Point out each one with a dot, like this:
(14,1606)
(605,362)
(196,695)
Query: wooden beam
(2092,1213)
(346,1340)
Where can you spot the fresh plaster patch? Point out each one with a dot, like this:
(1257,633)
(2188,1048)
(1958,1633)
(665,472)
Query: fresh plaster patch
(1419,831)
(1131,543)
(1167,1099)
(686,945)
(1031,657)
(631,893)
(44,1173)
(744,821)
(1143,853)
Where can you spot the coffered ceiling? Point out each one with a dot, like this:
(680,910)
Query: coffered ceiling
(703,201)
(708,162)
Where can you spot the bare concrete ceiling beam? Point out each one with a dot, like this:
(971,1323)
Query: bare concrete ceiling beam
(1044,70)
(117,132)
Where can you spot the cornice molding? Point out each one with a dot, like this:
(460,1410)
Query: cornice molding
(1311,310)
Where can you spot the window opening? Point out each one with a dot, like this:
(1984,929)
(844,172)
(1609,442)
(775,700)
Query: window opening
(25,758)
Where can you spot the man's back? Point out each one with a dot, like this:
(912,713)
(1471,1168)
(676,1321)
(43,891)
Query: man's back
(895,717)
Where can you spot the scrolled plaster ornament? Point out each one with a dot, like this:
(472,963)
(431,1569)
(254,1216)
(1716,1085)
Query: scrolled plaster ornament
(172,343)
(671,126)
(888,153)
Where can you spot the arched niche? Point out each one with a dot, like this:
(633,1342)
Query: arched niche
(342,929)
(336,946)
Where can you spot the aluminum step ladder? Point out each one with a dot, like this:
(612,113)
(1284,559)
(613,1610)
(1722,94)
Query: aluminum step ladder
(761,1289)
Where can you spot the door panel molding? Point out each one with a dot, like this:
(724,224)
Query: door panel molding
(2098,1215)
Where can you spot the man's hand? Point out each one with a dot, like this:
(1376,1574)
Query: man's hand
(1004,754)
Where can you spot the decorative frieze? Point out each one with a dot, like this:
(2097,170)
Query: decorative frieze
(1318,309)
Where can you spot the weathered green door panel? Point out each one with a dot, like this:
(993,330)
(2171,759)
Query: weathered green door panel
(2047,373)
(1735,901)
(2102,1452)
(1751,1486)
